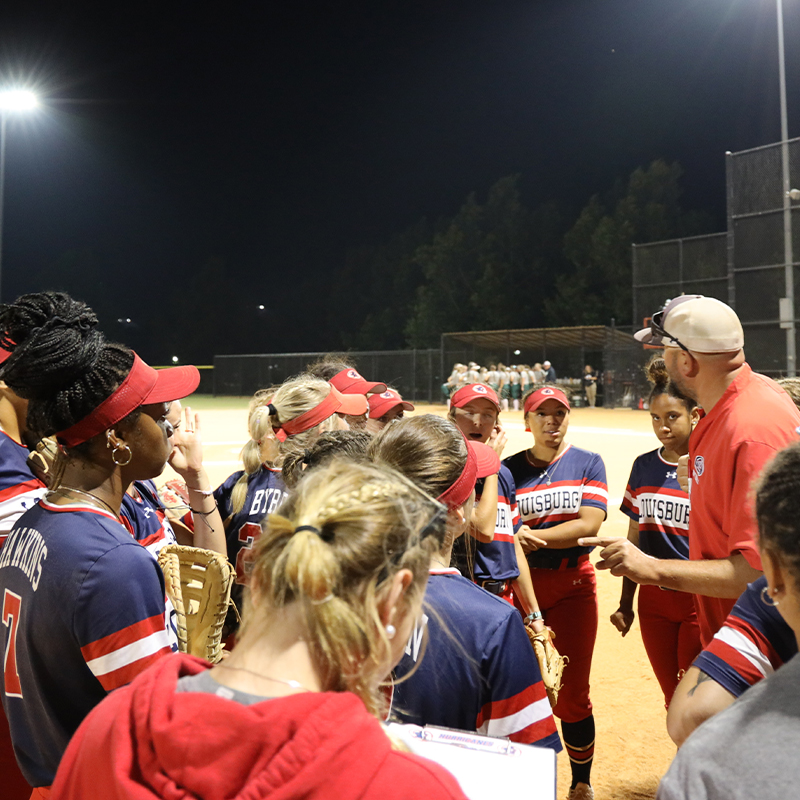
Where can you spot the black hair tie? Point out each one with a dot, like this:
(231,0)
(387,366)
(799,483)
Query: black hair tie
(273,412)
(325,537)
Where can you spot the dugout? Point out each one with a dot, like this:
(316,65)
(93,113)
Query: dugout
(612,351)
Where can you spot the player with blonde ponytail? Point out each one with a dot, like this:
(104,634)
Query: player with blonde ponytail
(336,588)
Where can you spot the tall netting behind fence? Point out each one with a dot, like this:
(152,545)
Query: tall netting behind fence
(746,266)
(613,352)
(757,261)
(663,270)
(416,374)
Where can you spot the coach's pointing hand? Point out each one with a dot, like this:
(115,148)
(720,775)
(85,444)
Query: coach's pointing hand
(623,558)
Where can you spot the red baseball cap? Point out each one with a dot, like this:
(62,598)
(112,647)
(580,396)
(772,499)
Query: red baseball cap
(474,391)
(380,404)
(535,399)
(348,381)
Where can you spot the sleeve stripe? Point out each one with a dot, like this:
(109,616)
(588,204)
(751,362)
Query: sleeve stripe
(739,643)
(14,507)
(503,537)
(595,491)
(512,705)
(505,726)
(121,638)
(760,640)
(128,655)
(32,487)
(119,677)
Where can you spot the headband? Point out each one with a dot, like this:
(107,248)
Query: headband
(127,397)
(308,419)
(460,491)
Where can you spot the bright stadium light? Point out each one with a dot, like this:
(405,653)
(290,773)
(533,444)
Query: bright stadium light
(18,100)
(12,101)
(174,359)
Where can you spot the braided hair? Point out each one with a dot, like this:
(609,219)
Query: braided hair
(59,361)
(351,445)
(333,546)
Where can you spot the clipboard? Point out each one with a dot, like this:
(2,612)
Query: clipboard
(485,767)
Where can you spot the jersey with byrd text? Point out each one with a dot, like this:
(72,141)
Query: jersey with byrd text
(479,672)
(754,641)
(83,613)
(19,488)
(654,499)
(548,497)
(497,560)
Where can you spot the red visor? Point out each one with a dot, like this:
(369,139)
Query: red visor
(348,381)
(352,404)
(482,461)
(380,404)
(546,393)
(474,391)
(142,385)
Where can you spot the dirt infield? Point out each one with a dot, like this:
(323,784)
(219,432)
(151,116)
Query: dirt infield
(633,750)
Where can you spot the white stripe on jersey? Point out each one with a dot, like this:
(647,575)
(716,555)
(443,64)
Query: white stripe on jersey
(505,726)
(745,647)
(598,491)
(13,508)
(128,654)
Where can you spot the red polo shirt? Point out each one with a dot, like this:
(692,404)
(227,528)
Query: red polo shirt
(731,444)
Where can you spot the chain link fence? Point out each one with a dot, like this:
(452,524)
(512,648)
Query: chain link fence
(744,266)
(416,374)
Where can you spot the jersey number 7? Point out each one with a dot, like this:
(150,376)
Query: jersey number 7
(11,608)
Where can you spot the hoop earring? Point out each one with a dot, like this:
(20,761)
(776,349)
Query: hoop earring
(115,455)
(766,599)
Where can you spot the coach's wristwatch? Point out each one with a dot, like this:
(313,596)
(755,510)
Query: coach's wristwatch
(533,616)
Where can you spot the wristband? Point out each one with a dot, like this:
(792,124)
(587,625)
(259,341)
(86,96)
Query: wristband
(533,616)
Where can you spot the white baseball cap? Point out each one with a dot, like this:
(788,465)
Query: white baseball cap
(695,322)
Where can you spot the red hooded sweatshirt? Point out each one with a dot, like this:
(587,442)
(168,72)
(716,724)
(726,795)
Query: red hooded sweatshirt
(148,741)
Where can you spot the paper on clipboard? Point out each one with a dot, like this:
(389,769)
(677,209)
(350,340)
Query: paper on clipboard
(485,767)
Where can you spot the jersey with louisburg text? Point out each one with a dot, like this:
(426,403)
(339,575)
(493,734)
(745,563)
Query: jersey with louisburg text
(654,499)
(754,641)
(19,488)
(497,560)
(83,613)
(479,672)
(548,497)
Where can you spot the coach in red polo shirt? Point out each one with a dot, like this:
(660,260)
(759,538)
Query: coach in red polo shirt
(747,419)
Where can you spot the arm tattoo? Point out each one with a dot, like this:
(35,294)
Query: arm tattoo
(701,678)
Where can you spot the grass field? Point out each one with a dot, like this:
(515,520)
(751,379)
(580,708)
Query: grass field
(633,750)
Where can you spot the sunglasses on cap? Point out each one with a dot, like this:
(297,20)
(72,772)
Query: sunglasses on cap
(656,327)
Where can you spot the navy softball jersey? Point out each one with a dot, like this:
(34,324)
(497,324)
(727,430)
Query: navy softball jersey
(83,613)
(654,499)
(497,560)
(144,516)
(19,488)
(478,673)
(754,641)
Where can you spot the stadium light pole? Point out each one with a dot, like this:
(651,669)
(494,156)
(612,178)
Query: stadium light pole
(787,310)
(12,101)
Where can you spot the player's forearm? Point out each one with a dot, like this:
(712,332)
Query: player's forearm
(724,577)
(628,594)
(523,585)
(209,532)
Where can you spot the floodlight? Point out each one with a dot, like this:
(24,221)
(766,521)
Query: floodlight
(18,100)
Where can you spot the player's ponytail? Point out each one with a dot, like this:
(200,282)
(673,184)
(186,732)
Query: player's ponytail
(59,361)
(656,372)
(252,455)
(339,539)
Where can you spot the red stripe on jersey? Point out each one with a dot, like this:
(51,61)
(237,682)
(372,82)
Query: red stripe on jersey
(119,639)
(20,488)
(512,705)
(123,675)
(662,491)
(748,671)
(535,732)
(503,537)
(755,635)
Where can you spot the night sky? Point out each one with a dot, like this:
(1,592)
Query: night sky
(272,138)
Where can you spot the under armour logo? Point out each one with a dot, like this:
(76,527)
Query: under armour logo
(673,474)
(575,583)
